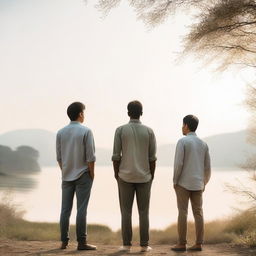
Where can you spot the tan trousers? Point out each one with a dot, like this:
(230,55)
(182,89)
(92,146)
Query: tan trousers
(196,199)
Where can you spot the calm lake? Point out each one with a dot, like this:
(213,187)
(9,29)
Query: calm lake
(42,201)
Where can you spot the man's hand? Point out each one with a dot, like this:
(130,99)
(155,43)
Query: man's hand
(60,165)
(116,165)
(152,167)
(91,175)
(91,169)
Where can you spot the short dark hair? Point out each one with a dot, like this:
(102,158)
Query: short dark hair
(191,121)
(74,110)
(134,109)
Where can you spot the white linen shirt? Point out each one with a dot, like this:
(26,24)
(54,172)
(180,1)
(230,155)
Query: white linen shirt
(192,168)
(74,149)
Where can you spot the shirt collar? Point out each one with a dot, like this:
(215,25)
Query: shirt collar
(192,133)
(74,122)
(135,121)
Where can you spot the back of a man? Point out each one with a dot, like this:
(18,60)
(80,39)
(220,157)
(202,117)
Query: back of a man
(192,176)
(136,149)
(134,165)
(192,172)
(76,143)
(76,156)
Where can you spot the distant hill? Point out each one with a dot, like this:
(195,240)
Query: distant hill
(230,149)
(227,150)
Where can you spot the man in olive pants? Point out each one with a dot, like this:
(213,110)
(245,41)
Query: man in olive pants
(134,165)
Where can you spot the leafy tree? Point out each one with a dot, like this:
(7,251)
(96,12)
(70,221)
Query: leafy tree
(223,30)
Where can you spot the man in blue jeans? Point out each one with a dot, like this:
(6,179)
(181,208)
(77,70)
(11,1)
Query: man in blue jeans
(76,156)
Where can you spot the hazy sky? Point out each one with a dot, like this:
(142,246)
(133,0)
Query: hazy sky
(54,52)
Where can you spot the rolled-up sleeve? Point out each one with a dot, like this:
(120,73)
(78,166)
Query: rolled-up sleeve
(178,162)
(117,148)
(152,147)
(58,148)
(207,166)
(89,147)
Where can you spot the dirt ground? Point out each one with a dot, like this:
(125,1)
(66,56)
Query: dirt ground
(38,248)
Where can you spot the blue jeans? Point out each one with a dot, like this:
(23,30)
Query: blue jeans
(82,188)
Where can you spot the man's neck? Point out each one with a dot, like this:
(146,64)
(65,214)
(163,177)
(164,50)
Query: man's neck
(77,121)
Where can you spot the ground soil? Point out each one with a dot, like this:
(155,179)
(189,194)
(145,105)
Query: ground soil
(38,248)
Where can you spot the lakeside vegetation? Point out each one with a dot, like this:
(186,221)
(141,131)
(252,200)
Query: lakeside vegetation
(22,160)
(239,229)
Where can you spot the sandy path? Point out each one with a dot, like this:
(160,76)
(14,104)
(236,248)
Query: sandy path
(38,248)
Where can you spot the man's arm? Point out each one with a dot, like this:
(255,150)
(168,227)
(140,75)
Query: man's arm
(117,148)
(152,154)
(58,150)
(178,162)
(116,165)
(90,152)
(207,167)
(152,167)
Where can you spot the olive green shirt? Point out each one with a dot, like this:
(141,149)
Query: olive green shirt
(135,147)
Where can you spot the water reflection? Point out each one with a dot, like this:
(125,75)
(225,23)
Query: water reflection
(21,182)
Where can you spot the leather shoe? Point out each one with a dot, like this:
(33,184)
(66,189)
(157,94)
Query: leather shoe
(64,245)
(85,246)
(179,248)
(196,247)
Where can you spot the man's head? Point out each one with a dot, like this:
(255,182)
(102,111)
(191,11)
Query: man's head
(134,109)
(190,123)
(75,111)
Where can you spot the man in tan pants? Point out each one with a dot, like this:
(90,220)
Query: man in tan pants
(192,172)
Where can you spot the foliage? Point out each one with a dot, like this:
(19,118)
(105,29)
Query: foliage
(22,160)
(152,12)
(222,30)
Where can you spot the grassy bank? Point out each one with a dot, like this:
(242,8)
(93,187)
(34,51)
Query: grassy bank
(238,229)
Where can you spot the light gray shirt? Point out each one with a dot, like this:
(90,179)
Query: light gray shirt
(192,168)
(74,148)
(135,147)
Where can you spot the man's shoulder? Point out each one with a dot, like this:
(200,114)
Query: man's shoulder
(182,140)
(185,140)
(119,128)
(60,131)
(78,128)
(192,139)
(150,130)
(128,125)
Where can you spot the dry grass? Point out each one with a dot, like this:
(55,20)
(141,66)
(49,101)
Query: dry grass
(239,229)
